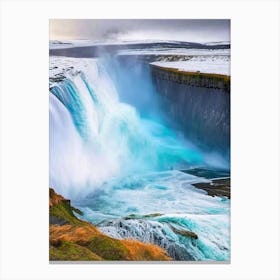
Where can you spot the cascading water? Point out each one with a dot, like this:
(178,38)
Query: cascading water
(94,136)
(119,167)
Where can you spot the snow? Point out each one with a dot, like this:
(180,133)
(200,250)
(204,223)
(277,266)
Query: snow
(204,64)
(56,44)
(60,67)
(174,51)
(215,61)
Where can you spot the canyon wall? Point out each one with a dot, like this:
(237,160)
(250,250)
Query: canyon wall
(198,104)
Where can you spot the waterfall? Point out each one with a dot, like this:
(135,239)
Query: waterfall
(94,136)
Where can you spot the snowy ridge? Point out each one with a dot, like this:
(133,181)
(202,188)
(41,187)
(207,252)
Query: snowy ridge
(203,64)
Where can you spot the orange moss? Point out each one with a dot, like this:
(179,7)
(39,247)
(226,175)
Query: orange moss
(140,251)
(67,251)
(77,234)
(105,247)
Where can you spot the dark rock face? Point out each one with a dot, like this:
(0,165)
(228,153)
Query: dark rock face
(53,220)
(218,187)
(186,233)
(208,173)
(198,106)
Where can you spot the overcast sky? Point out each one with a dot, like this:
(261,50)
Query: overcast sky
(209,30)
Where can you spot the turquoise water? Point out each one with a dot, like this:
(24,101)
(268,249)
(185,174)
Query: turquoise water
(158,203)
(90,127)
(120,168)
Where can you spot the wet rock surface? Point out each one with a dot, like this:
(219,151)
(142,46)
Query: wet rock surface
(217,187)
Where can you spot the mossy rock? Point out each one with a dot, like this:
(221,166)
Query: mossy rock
(109,248)
(152,215)
(68,251)
(134,216)
(64,211)
(72,239)
(78,211)
(186,233)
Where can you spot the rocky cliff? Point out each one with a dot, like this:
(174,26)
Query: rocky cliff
(198,104)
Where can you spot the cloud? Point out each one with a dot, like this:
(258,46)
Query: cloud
(142,29)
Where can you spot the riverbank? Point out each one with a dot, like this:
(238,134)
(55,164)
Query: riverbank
(72,239)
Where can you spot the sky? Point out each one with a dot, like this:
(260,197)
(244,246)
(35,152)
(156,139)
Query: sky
(190,30)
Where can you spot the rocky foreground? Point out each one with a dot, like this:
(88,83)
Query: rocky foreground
(72,239)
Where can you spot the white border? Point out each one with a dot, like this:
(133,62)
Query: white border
(255,138)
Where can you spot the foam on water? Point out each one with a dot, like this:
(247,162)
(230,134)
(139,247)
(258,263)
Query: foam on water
(149,207)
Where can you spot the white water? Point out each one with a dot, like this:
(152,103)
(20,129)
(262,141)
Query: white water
(177,204)
(95,137)
(113,163)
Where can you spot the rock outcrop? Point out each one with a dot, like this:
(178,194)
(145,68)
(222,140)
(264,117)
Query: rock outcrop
(217,187)
(72,239)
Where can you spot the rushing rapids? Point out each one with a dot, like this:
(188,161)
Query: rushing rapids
(120,164)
